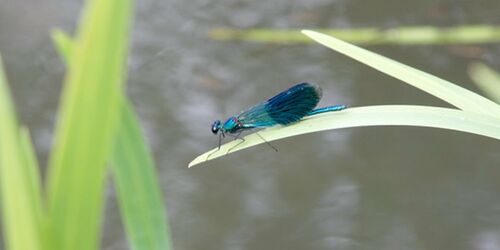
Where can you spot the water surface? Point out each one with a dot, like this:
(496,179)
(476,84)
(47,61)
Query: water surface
(363,188)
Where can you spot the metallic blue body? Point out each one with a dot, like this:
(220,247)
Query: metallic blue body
(285,108)
(231,125)
(326,109)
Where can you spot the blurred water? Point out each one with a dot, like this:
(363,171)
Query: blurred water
(364,188)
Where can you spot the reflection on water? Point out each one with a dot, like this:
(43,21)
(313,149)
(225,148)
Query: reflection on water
(363,188)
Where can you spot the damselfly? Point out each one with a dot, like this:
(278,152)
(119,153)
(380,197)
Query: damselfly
(285,108)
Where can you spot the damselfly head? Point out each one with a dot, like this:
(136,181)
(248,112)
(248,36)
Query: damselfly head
(216,127)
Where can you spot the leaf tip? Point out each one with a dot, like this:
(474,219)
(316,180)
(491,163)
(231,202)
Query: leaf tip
(307,32)
(475,67)
(194,162)
(57,35)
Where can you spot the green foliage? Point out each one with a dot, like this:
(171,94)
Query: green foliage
(477,114)
(139,195)
(445,90)
(134,172)
(486,79)
(63,44)
(96,126)
(386,115)
(19,179)
(88,118)
(412,35)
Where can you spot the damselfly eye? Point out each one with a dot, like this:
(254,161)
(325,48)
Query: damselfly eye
(215,126)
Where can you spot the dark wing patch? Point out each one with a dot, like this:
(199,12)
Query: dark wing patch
(291,105)
(286,107)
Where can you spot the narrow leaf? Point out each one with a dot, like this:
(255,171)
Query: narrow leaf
(447,91)
(139,193)
(393,115)
(64,44)
(486,79)
(33,175)
(404,35)
(19,183)
(134,173)
(87,123)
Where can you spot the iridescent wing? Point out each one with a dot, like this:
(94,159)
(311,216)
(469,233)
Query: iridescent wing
(286,107)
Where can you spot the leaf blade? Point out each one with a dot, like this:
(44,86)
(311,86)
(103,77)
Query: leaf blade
(88,120)
(486,79)
(64,44)
(134,173)
(385,115)
(19,183)
(402,35)
(445,90)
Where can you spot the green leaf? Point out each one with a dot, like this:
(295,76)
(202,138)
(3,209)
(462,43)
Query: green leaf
(486,79)
(134,173)
(139,194)
(87,123)
(33,176)
(404,35)
(390,115)
(19,179)
(64,44)
(481,115)
(447,91)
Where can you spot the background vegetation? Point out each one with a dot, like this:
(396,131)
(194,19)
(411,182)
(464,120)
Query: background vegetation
(380,188)
(96,128)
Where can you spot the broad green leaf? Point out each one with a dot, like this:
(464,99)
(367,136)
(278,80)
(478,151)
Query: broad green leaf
(19,179)
(445,90)
(87,123)
(134,173)
(486,79)
(139,195)
(390,115)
